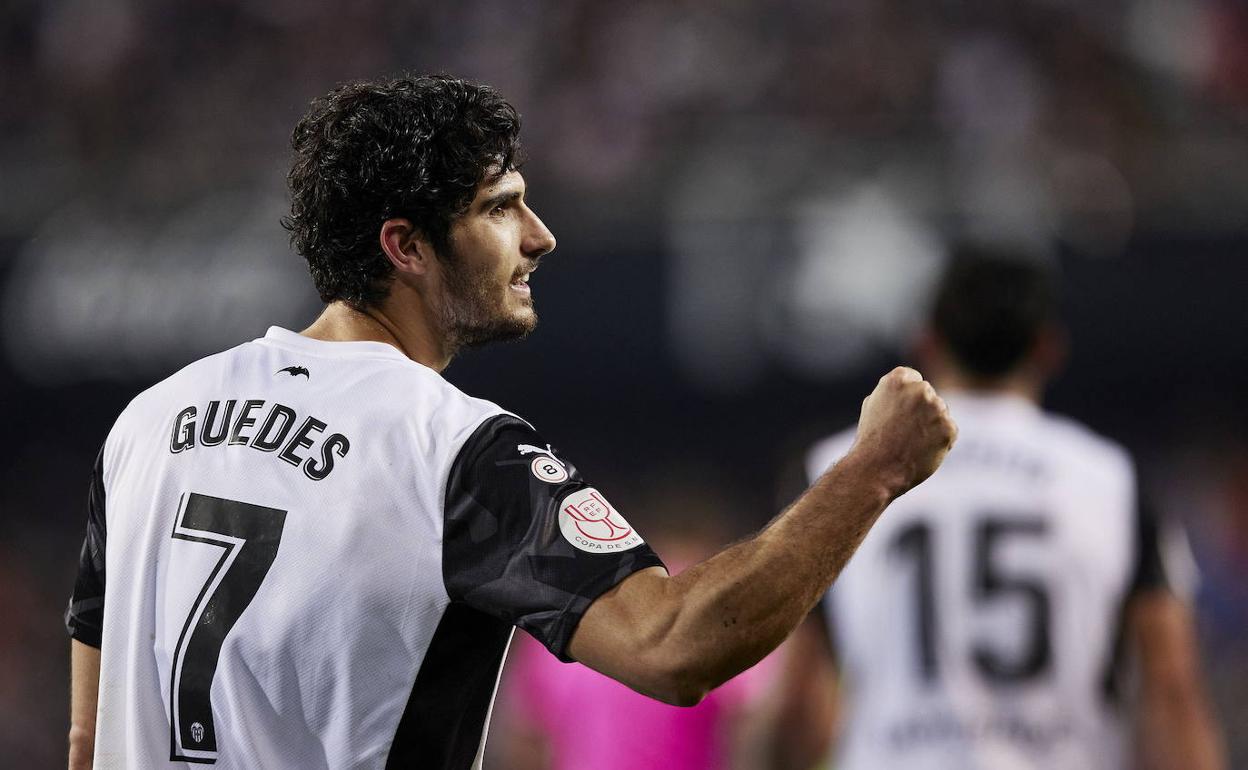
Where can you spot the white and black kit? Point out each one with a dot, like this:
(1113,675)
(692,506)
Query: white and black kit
(307,554)
(978,625)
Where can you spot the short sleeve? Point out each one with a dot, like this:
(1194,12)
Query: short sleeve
(526,539)
(84,618)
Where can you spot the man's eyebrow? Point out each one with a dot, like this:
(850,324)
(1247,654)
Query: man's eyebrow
(500,198)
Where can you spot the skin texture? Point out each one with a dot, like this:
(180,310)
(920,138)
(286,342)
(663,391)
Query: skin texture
(1176,730)
(676,638)
(439,304)
(84,664)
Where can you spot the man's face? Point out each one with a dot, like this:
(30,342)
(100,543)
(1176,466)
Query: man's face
(493,247)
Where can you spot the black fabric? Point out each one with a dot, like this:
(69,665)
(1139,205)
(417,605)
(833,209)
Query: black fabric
(1148,573)
(503,552)
(443,722)
(1150,570)
(84,618)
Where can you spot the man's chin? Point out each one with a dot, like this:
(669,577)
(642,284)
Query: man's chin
(515,327)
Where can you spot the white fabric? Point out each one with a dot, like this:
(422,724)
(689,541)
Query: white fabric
(317,670)
(1012,463)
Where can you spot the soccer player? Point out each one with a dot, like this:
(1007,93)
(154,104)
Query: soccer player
(310,550)
(983,622)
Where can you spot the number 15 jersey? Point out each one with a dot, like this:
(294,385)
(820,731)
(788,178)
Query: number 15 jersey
(977,625)
(306,554)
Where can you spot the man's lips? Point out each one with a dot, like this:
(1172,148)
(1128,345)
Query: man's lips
(521,282)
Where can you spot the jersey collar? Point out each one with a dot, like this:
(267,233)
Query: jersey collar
(981,402)
(364,348)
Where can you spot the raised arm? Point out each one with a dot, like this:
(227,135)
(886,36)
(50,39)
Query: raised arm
(676,638)
(1177,724)
(84,662)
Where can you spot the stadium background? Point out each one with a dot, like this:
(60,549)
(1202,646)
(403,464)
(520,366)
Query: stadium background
(751,200)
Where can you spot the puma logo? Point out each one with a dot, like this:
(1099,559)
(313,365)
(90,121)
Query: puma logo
(294,371)
(529,449)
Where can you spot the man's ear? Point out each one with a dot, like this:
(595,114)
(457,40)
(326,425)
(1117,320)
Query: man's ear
(408,250)
(928,351)
(1051,350)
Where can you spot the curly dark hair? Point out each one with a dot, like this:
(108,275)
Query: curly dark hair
(413,147)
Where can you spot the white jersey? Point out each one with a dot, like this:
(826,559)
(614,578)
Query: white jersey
(977,625)
(306,554)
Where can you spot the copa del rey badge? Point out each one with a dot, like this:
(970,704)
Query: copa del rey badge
(589,523)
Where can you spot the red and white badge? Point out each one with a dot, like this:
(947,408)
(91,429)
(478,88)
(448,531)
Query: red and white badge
(589,523)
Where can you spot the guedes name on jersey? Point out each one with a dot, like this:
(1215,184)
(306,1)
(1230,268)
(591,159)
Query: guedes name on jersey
(232,424)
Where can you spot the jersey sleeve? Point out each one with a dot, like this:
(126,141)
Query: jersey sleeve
(526,539)
(1149,571)
(84,618)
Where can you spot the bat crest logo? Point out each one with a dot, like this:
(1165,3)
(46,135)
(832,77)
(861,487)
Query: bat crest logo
(295,371)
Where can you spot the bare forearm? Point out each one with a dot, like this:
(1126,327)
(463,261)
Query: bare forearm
(739,605)
(84,693)
(1179,733)
(1178,726)
(81,749)
(676,638)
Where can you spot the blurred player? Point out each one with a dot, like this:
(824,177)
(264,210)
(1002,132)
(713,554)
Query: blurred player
(982,622)
(309,551)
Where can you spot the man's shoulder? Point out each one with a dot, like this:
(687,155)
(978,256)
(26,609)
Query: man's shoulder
(430,396)
(393,400)
(398,383)
(457,407)
(176,384)
(1084,447)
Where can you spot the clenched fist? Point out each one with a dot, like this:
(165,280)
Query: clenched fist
(904,431)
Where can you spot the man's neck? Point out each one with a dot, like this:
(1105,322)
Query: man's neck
(412,332)
(1021,385)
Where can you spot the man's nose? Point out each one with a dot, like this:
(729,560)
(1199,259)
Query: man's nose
(539,241)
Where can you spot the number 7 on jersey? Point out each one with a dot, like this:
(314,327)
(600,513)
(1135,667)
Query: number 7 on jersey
(248,536)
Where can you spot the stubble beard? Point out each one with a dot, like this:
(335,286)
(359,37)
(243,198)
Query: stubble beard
(472,311)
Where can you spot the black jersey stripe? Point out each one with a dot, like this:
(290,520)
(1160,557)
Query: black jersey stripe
(84,618)
(445,718)
(1148,573)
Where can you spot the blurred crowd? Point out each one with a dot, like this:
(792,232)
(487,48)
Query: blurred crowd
(762,190)
(1121,107)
